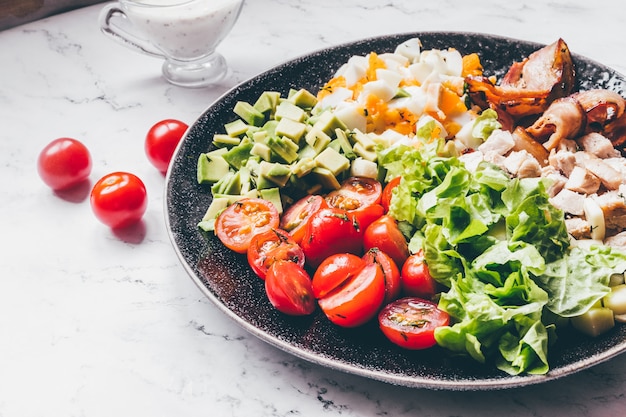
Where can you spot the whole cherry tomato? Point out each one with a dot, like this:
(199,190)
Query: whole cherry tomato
(64,163)
(334,271)
(416,279)
(385,235)
(390,271)
(388,193)
(270,246)
(298,215)
(161,142)
(358,300)
(410,322)
(239,222)
(119,199)
(331,231)
(288,287)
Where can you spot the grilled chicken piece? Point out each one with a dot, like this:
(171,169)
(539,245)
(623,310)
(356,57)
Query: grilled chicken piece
(578,227)
(598,145)
(531,85)
(610,177)
(564,161)
(582,181)
(569,201)
(613,205)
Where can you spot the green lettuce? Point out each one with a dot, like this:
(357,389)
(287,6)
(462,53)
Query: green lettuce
(500,249)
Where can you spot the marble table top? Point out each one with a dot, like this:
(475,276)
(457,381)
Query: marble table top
(101,323)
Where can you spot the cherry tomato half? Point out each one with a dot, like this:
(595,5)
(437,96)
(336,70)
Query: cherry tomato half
(358,300)
(415,277)
(64,163)
(384,234)
(119,199)
(243,219)
(410,322)
(270,246)
(288,287)
(298,215)
(334,271)
(355,193)
(390,271)
(161,142)
(331,231)
(388,193)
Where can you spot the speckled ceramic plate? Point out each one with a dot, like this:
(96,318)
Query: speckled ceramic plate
(225,278)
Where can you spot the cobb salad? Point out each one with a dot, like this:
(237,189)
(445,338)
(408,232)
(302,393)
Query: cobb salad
(510,192)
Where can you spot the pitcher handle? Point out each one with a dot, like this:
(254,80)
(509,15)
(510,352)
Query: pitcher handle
(107,18)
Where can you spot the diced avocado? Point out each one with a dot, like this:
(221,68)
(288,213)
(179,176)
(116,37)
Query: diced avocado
(249,114)
(303,167)
(238,155)
(260,136)
(307,152)
(270,127)
(221,140)
(251,131)
(211,168)
(594,321)
(215,208)
(277,173)
(401,93)
(261,150)
(288,110)
(267,102)
(233,186)
(291,129)
(317,139)
(344,144)
(222,184)
(303,98)
(364,139)
(332,161)
(236,128)
(284,148)
(262,182)
(370,155)
(236,197)
(325,178)
(273,196)
(328,122)
(245,179)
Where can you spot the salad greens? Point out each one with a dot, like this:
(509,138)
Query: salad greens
(499,247)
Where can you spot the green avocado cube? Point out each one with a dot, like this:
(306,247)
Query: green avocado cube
(303,99)
(291,129)
(249,114)
(211,168)
(332,161)
(288,110)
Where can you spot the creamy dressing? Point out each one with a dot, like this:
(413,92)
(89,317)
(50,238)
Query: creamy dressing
(184,30)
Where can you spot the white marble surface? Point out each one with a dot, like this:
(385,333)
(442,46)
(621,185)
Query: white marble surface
(94,323)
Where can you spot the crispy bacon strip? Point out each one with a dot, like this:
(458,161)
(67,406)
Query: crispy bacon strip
(529,86)
(564,119)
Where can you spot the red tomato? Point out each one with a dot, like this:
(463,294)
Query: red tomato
(288,287)
(411,322)
(388,192)
(119,199)
(385,235)
(64,163)
(368,214)
(415,277)
(334,271)
(358,300)
(270,246)
(298,215)
(355,193)
(390,271)
(243,219)
(331,231)
(161,142)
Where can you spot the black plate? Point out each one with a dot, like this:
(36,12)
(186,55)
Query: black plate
(225,278)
